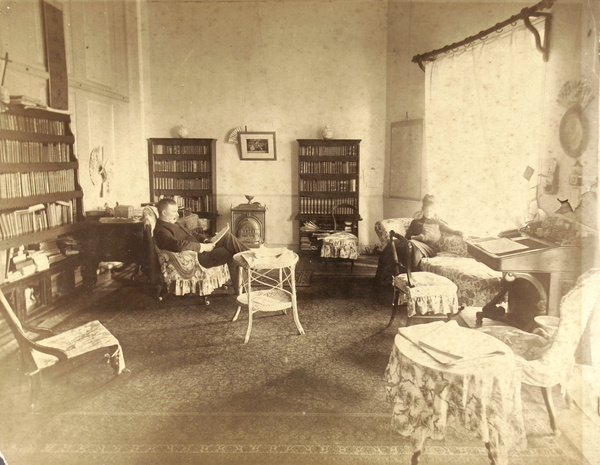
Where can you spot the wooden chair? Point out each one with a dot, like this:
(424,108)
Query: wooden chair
(178,273)
(84,344)
(547,361)
(342,243)
(427,296)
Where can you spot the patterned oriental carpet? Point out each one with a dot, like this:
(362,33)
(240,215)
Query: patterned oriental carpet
(198,395)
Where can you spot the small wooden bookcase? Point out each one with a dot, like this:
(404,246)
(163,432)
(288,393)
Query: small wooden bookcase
(184,169)
(328,176)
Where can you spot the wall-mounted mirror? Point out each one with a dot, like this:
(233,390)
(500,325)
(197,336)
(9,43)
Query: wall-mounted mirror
(574,131)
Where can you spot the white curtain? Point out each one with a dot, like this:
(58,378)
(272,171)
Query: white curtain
(483,118)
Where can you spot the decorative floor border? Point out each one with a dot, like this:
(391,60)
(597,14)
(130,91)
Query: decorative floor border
(276,449)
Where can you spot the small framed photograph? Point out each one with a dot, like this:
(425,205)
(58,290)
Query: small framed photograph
(257,146)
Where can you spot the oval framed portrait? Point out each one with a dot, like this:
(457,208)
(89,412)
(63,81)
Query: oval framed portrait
(574,131)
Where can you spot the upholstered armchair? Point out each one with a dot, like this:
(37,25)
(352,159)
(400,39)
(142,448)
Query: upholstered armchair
(547,360)
(178,273)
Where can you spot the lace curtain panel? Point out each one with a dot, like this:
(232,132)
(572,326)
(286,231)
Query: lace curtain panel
(483,127)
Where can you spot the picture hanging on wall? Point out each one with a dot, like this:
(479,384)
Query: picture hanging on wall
(257,146)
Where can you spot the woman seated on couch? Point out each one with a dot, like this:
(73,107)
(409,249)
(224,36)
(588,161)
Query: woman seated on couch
(424,233)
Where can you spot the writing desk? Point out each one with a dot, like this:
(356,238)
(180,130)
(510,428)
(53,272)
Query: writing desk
(524,254)
(112,240)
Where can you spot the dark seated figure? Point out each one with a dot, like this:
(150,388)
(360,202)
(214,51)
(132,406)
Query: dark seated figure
(424,233)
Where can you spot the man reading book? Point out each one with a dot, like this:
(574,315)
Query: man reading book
(170,235)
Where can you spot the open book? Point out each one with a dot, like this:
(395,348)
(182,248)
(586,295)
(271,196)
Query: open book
(220,234)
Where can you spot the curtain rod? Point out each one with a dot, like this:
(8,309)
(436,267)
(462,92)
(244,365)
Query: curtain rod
(524,14)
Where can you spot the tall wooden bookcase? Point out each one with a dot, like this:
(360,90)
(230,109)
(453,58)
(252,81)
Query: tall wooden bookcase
(184,169)
(328,176)
(40,201)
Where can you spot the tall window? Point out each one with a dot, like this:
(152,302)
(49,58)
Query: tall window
(483,128)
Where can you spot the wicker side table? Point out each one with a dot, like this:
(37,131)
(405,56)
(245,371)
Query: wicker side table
(267,283)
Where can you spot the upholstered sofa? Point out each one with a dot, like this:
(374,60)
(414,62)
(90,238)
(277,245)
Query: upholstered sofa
(477,283)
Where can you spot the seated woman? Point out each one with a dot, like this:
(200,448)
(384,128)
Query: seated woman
(424,233)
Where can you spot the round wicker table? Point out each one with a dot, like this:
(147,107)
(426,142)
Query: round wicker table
(267,283)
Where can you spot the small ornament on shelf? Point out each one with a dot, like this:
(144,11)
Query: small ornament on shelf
(182,131)
(327,133)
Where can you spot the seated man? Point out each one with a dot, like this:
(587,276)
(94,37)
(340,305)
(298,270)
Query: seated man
(424,233)
(170,235)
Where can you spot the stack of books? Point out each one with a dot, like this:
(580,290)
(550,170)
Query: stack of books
(26,101)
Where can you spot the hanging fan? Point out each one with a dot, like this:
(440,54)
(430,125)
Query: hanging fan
(233,136)
(99,172)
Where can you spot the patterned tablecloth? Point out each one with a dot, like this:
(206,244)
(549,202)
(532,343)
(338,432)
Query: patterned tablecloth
(340,245)
(479,394)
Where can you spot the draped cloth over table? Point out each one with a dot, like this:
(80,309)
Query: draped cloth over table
(340,245)
(480,396)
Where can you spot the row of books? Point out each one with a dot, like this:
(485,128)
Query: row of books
(335,150)
(316,206)
(185,166)
(173,183)
(328,185)
(328,167)
(11,122)
(36,218)
(16,151)
(195,204)
(159,149)
(17,185)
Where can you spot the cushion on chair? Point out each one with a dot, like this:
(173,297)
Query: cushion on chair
(527,346)
(431,294)
(398,225)
(340,245)
(81,341)
(454,244)
(183,274)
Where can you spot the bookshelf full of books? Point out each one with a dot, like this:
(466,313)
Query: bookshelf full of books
(40,207)
(328,176)
(184,170)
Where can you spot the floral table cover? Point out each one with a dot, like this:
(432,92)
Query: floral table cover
(480,396)
(340,245)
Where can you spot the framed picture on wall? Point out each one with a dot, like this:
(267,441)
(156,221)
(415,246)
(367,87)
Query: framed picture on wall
(257,146)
